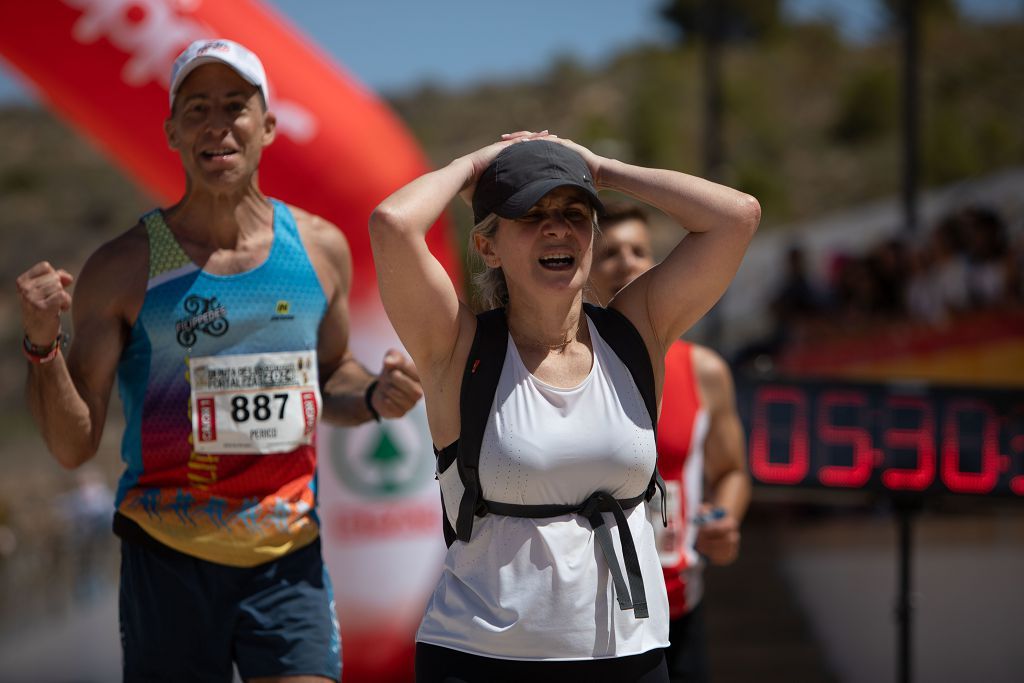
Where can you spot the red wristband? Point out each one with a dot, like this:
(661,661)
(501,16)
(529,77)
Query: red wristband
(38,355)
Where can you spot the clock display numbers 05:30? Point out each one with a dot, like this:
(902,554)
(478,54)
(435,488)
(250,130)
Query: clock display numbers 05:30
(888,437)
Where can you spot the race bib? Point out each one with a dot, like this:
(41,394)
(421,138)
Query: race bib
(254,403)
(670,539)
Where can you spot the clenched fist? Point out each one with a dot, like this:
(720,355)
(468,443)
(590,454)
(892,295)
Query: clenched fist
(43,292)
(398,386)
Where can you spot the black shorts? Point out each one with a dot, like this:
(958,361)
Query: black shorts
(687,656)
(436,664)
(185,619)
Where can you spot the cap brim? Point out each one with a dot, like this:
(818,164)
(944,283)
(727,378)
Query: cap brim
(522,201)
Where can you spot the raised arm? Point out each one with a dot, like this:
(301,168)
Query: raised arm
(68,397)
(418,295)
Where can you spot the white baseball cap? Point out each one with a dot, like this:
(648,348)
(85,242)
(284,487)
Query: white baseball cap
(238,57)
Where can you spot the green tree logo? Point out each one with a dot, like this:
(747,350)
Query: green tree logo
(380,461)
(387,458)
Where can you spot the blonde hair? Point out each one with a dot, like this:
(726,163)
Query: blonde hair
(491,288)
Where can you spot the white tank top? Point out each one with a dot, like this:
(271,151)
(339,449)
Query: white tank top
(540,589)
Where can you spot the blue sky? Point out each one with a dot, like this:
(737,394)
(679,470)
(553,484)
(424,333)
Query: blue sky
(391,45)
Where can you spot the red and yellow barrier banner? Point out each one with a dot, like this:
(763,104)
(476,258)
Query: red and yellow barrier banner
(984,348)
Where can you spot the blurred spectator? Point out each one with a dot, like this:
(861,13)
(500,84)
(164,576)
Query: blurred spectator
(948,268)
(87,513)
(8,548)
(923,298)
(796,300)
(888,266)
(966,263)
(855,291)
(795,306)
(1015,271)
(8,539)
(989,260)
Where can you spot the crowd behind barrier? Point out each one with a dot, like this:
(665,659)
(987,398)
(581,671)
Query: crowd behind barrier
(969,261)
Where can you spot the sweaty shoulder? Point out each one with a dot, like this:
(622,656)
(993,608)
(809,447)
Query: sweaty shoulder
(327,249)
(115,276)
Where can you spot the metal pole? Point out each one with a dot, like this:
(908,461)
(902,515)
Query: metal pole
(909,16)
(906,508)
(711,20)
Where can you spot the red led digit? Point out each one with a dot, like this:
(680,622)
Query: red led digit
(955,479)
(858,439)
(1015,427)
(795,468)
(920,439)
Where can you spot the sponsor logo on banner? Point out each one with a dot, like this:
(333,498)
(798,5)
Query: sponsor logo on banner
(382,460)
(384,473)
(153,33)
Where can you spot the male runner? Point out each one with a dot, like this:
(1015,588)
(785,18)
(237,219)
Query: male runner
(225,320)
(700,440)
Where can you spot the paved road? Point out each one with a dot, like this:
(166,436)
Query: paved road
(81,647)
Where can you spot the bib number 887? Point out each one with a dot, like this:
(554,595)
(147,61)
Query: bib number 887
(259,408)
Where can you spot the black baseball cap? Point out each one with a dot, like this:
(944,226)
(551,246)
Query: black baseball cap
(526,171)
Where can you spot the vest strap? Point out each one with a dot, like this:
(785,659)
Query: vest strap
(629,585)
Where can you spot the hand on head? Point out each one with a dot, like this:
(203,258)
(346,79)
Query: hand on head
(482,158)
(521,135)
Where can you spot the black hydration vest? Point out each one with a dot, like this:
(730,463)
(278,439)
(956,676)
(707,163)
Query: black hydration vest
(479,384)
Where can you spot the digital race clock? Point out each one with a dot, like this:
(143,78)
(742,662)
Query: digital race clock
(893,437)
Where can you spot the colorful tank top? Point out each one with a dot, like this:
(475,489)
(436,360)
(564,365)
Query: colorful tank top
(221,398)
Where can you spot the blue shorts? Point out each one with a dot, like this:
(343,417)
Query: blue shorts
(185,619)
